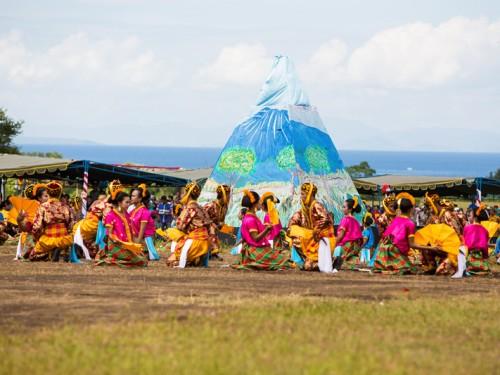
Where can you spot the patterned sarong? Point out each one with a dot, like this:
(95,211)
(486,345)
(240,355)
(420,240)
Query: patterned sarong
(351,251)
(262,258)
(477,263)
(121,254)
(390,260)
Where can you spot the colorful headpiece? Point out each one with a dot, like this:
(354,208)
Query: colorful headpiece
(225,190)
(355,198)
(447,204)
(310,189)
(29,192)
(386,189)
(114,188)
(405,195)
(144,189)
(250,195)
(431,200)
(54,189)
(192,191)
(367,215)
(37,187)
(388,204)
(480,209)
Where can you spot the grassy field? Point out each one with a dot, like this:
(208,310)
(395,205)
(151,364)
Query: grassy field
(80,319)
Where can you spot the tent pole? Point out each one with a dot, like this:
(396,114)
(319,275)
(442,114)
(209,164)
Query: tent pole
(85,189)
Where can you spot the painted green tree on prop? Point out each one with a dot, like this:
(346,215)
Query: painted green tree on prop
(237,161)
(317,158)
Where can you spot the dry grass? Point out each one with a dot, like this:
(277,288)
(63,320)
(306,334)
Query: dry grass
(81,319)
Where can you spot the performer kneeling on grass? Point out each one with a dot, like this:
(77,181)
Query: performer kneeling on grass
(268,203)
(191,235)
(142,223)
(256,253)
(473,256)
(311,231)
(120,249)
(349,236)
(398,238)
(52,225)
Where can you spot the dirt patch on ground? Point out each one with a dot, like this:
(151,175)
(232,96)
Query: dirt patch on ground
(35,295)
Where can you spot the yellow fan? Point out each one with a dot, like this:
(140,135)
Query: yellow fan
(274,216)
(440,235)
(28,206)
(491,226)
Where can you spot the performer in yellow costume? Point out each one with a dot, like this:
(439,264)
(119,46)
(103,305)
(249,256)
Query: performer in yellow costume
(191,235)
(52,226)
(312,233)
(216,211)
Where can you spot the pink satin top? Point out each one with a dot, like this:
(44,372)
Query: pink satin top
(249,223)
(142,215)
(476,237)
(352,230)
(120,224)
(401,229)
(275,231)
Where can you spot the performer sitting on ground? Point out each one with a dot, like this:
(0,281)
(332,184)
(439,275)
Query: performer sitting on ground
(312,233)
(216,211)
(191,235)
(349,236)
(256,252)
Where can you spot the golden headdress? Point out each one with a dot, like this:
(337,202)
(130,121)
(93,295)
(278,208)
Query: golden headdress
(54,189)
(29,192)
(388,204)
(37,187)
(192,191)
(368,215)
(270,200)
(432,201)
(405,195)
(144,189)
(310,189)
(250,195)
(114,188)
(225,190)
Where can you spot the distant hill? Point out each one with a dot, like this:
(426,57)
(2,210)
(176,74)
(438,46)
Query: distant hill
(52,141)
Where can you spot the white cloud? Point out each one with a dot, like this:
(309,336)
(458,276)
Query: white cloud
(242,64)
(78,58)
(415,56)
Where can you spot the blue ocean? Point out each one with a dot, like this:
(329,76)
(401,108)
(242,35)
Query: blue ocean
(384,162)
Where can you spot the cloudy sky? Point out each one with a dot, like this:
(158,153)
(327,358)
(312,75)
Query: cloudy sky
(386,74)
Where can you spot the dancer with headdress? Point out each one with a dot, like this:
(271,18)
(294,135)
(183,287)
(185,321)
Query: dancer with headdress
(85,231)
(52,225)
(311,231)
(441,212)
(349,236)
(143,224)
(216,211)
(474,254)
(25,218)
(398,238)
(256,252)
(191,235)
(120,249)
(268,202)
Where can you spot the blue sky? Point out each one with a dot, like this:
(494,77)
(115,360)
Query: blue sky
(415,75)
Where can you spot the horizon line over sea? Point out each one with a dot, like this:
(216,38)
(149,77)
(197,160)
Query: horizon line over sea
(418,163)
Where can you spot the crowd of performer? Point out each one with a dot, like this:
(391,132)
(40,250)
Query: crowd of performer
(119,228)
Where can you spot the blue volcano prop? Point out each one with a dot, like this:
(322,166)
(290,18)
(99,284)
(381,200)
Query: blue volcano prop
(280,146)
